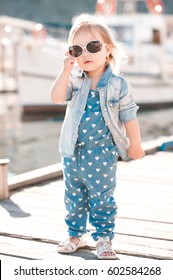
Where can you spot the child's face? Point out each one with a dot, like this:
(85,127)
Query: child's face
(92,63)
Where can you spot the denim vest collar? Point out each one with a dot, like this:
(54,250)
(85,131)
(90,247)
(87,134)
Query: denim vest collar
(105,77)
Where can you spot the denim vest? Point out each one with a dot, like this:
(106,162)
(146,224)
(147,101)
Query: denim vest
(117,106)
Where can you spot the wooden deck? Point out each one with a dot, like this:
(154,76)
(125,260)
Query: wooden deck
(32,219)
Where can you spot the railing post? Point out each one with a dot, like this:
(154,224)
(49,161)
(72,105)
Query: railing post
(4,191)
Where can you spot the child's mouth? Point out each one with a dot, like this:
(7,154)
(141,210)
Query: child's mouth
(87,62)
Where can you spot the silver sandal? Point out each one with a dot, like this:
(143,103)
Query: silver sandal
(104,246)
(71,246)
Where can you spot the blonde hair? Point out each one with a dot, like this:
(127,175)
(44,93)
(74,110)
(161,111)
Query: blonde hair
(91,23)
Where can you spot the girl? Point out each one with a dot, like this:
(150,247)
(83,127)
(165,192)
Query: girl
(101,109)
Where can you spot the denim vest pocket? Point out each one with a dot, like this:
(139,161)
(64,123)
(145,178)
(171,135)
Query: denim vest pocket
(113,108)
(113,102)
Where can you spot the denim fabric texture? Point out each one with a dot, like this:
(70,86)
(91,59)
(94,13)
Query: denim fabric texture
(90,179)
(92,138)
(117,106)
(92,127)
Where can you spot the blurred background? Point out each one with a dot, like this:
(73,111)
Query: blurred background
(33,39)
(57,11)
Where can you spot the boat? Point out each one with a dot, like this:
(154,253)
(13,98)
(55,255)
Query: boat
(31,57)
(30,61)
(146,38)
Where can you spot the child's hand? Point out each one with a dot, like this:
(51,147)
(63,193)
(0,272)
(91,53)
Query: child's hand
(68,62)
(135,152)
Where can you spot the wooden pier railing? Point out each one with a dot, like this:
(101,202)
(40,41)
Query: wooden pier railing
(4,190)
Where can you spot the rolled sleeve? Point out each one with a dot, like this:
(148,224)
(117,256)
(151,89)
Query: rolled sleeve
(129,114)
(127,108)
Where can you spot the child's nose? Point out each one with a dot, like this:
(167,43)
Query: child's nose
(85,52)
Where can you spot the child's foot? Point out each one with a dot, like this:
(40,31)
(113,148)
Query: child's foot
(71,245)
(104,249)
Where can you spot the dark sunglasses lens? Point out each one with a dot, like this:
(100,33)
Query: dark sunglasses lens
(94,46)
(75,50)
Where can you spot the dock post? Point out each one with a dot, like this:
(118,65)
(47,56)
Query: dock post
(4,191)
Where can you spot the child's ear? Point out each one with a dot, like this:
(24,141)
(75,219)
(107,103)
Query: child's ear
(108,50)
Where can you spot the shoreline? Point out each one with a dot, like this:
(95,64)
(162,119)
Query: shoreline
(31,145)
(55,171)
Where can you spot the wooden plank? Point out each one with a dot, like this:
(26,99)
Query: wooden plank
(147,229)
(31,205)
(57,234)
(5,257)
(153,168)
(27,248)
(70,258)
(143,213)
(57,214)
(42,218)
(151,243)
(4,191)
(128,226)
(146,175)
(151,192)
(34,216)
(36,176)
(42,250)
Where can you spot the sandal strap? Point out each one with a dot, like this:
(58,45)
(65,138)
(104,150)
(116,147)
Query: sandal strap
(105,248)
(68,244)
(104,245)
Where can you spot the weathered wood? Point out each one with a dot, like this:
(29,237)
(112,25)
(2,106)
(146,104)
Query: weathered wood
(4,191)
(9,257)
(34,177)
(32,219)
(37,249)
(155,168)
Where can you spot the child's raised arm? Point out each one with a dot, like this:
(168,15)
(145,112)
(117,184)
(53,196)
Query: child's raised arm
(59,88)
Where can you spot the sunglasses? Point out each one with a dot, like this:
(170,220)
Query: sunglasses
(91,47)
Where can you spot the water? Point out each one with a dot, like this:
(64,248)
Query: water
(32,145)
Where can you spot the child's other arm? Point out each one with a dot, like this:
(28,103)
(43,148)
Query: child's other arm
(135,149)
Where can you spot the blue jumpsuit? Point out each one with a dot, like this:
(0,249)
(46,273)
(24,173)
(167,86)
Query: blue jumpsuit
(90,175)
